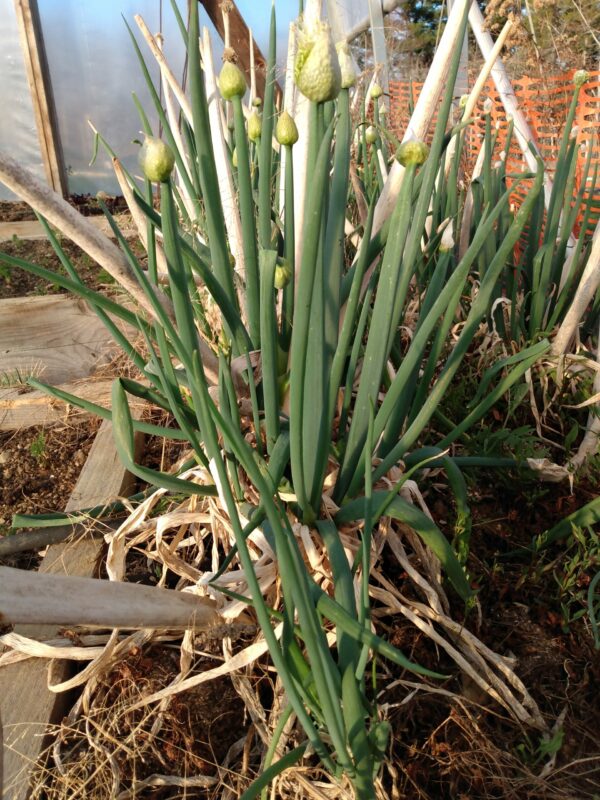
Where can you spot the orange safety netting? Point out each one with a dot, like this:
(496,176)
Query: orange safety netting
(545,105)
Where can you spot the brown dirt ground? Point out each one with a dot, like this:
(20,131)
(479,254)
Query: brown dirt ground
(86,204)
(468,750)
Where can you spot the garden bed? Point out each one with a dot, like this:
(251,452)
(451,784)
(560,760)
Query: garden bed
(445,745)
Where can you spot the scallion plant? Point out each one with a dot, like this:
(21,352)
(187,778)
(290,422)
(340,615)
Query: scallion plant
(314,348)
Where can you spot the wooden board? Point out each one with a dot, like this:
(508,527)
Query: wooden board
(19,410)
(54,338)
(239,34)
(38,75)
(32,229)
(27,707)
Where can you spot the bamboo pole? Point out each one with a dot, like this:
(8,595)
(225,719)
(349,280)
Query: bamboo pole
(173,117)
(233,223)
(75,227)
(591,438)
(387,7)
(478,88)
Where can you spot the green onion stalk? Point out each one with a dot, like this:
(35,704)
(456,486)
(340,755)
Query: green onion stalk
(315,346)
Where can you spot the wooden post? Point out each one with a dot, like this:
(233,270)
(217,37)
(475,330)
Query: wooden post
(239,40)
(38,75)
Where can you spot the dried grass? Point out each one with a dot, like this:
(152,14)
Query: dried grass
(120,726)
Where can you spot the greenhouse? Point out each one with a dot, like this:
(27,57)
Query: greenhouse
(299,399)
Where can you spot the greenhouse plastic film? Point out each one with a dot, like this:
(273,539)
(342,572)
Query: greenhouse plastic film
(94,71)
(347,16)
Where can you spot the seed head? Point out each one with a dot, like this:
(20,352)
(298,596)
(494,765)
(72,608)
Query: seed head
(231,81)
(254,127)
(347,69)
(156,160)
(317,69)
(286,131)
(412,152)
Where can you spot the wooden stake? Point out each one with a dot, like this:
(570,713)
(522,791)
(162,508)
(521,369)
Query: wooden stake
(38,75)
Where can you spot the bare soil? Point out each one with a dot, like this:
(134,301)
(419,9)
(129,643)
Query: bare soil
(447,749)
(86,204)
(40,467)
(16,282)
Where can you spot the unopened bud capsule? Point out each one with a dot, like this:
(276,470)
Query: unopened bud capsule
(254,127)
(231,81)
(412,152)
(317,69)
(283,273)
(371,135)
(286,131)
(156,159)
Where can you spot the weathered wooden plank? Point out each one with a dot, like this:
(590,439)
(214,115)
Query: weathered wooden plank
(38,75)
(27,707)
(32,229)
(54,337)
(19,410)
(239,41)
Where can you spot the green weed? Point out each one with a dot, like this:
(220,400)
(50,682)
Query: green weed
(38,447)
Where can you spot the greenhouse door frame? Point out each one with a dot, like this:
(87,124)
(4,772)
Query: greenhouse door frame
(38,76)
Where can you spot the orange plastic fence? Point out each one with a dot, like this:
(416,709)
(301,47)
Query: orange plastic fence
(545,105)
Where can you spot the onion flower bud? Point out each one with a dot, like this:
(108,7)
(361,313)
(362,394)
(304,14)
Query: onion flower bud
(347,70)
(254,127)
(283,273)
(231,81)
(376,91)
(156,160)
(412,152)
(317,69)
(371,135)
(581,76)
(286,131)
